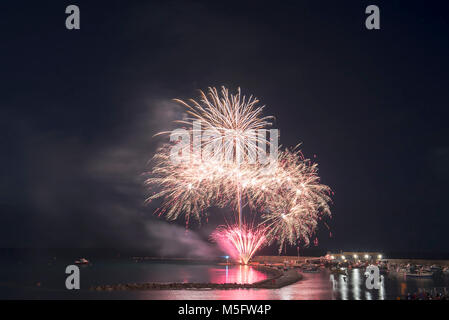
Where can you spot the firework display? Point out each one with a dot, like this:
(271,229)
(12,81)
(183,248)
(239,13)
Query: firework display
(241,242)
(284,192)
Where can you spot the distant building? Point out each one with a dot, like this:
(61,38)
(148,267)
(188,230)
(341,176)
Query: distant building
(355,256)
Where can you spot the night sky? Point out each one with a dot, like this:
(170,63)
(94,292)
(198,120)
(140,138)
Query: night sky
(79,109)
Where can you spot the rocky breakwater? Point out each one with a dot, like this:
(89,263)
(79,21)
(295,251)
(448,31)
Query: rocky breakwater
(277,279)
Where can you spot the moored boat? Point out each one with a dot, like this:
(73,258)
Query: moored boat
(435,268)
(310,269)
(424,275)
(339,270)
(82,261)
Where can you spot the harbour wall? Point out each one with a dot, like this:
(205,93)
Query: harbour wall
(281,259)
(419,261)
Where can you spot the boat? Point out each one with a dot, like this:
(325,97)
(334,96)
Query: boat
(311,270)
(436,268)
(82,261)
(420,275)
(401,271)
(383,272)
(339,270)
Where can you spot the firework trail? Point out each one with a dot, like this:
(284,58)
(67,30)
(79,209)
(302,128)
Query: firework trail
(287,191)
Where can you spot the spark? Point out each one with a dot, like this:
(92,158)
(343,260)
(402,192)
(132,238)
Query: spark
(233,117)
(241,241)
(287,193)
(296,204)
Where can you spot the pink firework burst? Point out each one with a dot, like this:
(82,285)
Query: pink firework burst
(240,241)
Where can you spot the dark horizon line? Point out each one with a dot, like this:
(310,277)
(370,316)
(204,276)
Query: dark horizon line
(140,252)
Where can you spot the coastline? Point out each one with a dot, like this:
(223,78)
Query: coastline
(277,279)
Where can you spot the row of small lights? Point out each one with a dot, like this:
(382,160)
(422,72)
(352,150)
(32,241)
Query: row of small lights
(356,256)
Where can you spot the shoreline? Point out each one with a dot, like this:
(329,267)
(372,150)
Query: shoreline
(277,279)
(282,259)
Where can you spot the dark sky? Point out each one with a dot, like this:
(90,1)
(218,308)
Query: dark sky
(79,108)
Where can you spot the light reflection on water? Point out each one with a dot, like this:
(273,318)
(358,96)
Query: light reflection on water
(314,286)
(18,280)
(355,281)
(353,286)
(235,274)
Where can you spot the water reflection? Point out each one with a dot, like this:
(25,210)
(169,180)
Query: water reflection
(355,282)
(314,286)
(343,287)
(382,288)
(353,286)
(235,274)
